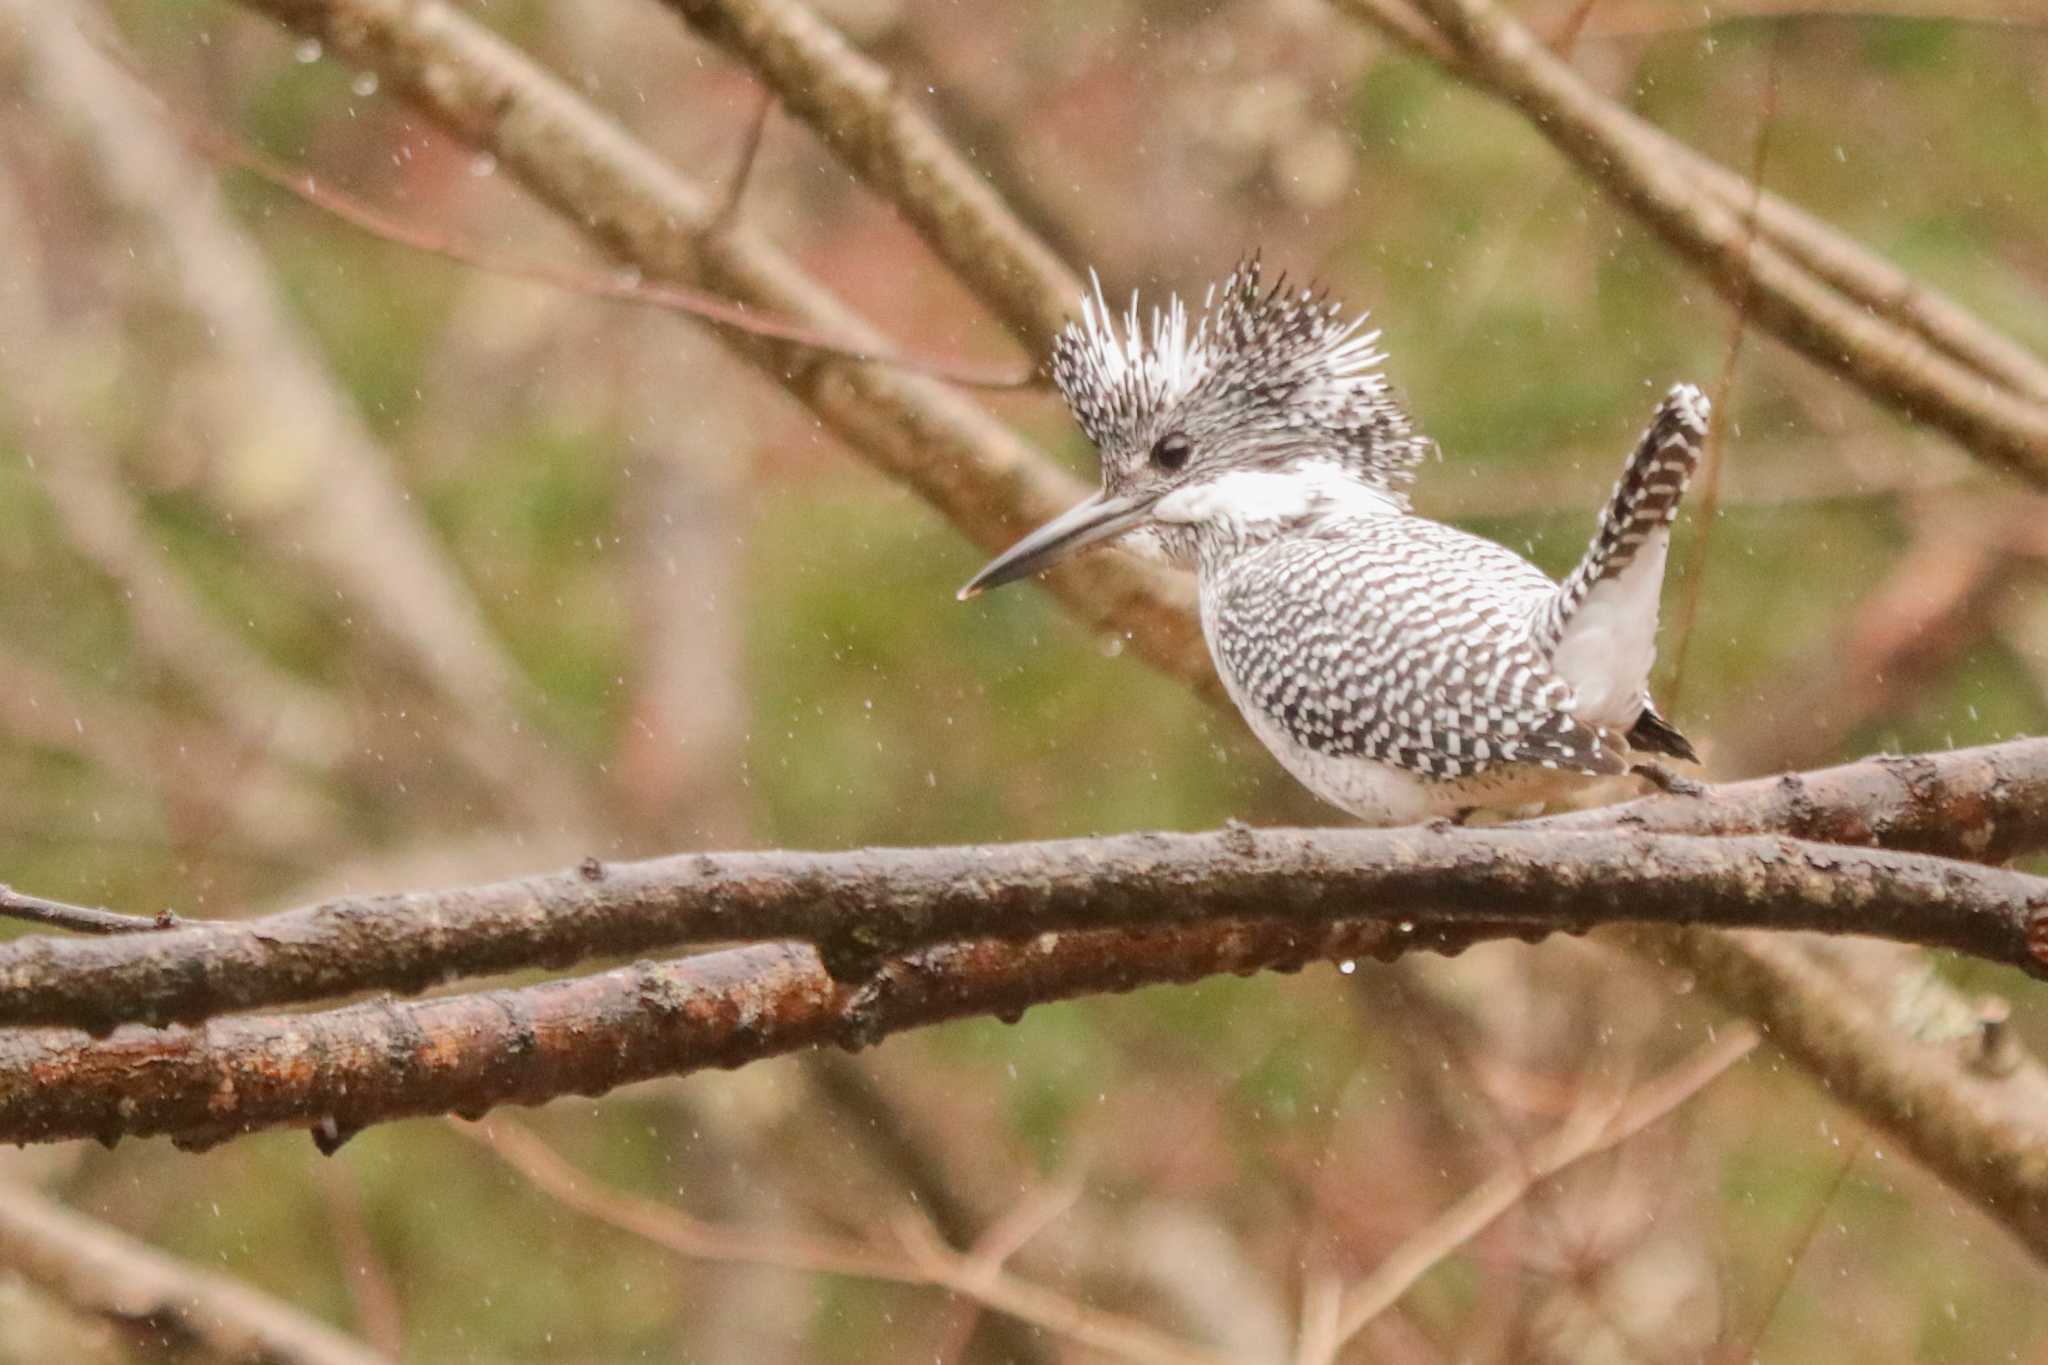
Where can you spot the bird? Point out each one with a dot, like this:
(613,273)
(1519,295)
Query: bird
(1404,670)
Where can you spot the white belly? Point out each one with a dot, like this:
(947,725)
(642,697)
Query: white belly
(1377,793)
(1382,794)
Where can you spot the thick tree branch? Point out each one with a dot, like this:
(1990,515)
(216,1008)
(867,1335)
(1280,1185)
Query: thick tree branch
(1988,804)
(863,905)
(342,1069)
(347,1068)
(144,1291)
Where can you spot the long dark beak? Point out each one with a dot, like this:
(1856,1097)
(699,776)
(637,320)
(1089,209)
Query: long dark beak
(1095,520)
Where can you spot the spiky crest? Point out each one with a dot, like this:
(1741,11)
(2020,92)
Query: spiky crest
(1260,376)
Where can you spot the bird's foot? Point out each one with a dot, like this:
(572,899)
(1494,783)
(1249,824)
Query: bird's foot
(1666,781)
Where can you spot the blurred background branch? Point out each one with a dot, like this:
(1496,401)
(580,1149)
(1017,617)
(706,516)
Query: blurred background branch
(950,451)
(166,1308)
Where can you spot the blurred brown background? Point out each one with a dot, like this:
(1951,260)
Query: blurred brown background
(327,563)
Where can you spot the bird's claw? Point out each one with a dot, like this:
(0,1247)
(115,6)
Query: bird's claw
(1668,782)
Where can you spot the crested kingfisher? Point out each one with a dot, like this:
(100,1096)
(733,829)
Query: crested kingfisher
(1403,669)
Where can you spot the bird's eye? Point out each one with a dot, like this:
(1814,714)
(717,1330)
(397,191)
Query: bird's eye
(1171,451)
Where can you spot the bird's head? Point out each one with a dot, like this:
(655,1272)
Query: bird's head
(1245,415)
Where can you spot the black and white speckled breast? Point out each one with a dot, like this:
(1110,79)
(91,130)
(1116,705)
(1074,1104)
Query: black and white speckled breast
(1396,640)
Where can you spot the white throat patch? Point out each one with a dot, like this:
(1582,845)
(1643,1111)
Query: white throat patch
(1251,497)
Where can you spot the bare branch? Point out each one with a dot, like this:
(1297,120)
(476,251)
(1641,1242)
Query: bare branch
(1862,275)
(1700,215)
(1978,1126)
(333,498)
(1591,1130)
(1940,598)
(958,457)
(79,919)
(709,308)
(140,1289)
(861,906)
(379,1311)
(341,1070)
(266,708)
(986,1282)
(194,768)
(1988,804)
(990,485)
(1982,1129)
(1714,458)
(979,1279)
(871,1111)
(853,104)
(672,1228)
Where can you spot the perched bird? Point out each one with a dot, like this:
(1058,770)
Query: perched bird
(1402,669)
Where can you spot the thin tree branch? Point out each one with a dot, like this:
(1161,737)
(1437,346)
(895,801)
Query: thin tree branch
(1636,18)
(861,906)
(1990,403)
(672,1228)
(193,768)
(144,1291)
(379,1309)
(1714,458)
(927,1262)
(1940,598)
(708,308)
(854,105)
(1982,1129)
(986,1282)
(952,452)
(1590,1131)
(732,199)
(81,919)
(267,709)
(1862,275)
(1750,1348)
(872,1112)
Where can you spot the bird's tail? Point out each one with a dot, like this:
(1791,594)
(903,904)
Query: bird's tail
(1644,502)
(1601,625)
(1645,497)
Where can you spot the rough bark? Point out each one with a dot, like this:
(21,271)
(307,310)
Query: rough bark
(339,1070)
(861,906)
